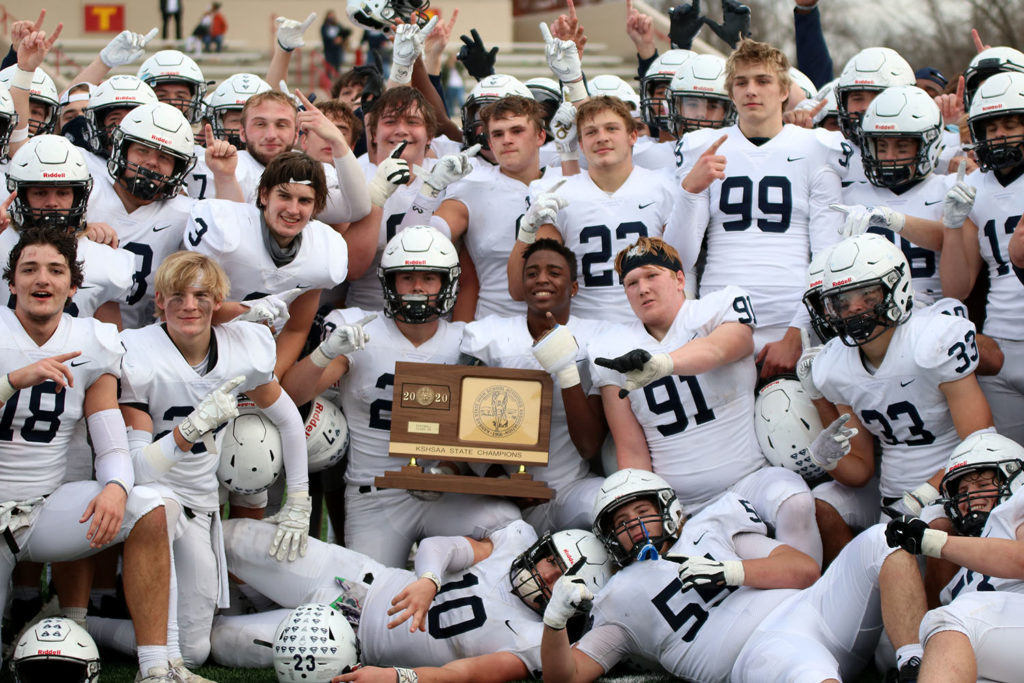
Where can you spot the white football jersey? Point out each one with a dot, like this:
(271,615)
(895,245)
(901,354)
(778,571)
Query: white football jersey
(159,378)
(996,212)
(766,218)
(367,388)
(699,429)
(248,173)
(107,274)
(231,233)
(494,202)
(474,614)
(506,343)
(37,424)
(643,612)
(901,402)
(923,200)
(96,164)
(152,232)
(1002,523)
(597,225)
(199,181)
(657,156)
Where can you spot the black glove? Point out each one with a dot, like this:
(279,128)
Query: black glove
(906,532)
(373,85)
(735,23)
(475,57)
(686,24)
(631,360)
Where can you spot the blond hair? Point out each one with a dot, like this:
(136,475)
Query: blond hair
(753,52)
(660,253)
(184,269)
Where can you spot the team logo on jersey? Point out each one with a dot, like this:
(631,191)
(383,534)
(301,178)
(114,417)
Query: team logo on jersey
(499,411)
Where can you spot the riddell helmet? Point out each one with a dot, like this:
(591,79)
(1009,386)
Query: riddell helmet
(117,92)
(53,161)
(381,15)
(490,89)
(613,86)
(313,645)
(978,452)
(1001,95)
(812,296)
(654,106)
(565,550)
(548,93)
(786,423)
(624,487)
(326,434)
(56,649)
(172,66)
(831,109)
(698,98)
(43,92)
(902,111)
(871,268)
(988,63)
(8,120)
(419,248)
(803,82)
(164,128)
(231,95)
(873,69)
(251,452)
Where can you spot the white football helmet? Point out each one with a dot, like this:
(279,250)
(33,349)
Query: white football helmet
(902,111)
(812,296)
(231,95)
(978,452)
(326,434)
(613,86)
(117,92)
(56,649)
(786,423)
(164,128)
(573,551)
(381,15)
(988,63)
(867,288)
(490,89)
(172,66)
(654,106)
(43,92)
(251,454)
(803,82)
(831,109)
(548,94)
(8,121)
(1000,95)
(313,645)
(624,487)
(48,160)
(698,98)
(419,248)
(873,69)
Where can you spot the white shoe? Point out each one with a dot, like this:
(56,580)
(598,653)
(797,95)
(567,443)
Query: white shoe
(182,675)
(157,674)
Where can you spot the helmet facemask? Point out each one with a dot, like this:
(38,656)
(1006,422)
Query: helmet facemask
(680,103)
(967,516)
(527,583)
(8,122)
(648,546)
(46,125)
(221,132)
(473,129)
(881,310)
(654,107)
(71,219)
(417,309)
(896,173)
(816,309)
(144,183)
(997,153)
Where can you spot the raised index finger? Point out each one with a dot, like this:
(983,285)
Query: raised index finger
(978,45)
(818,107)
(42,15)
(961,172)
(713,149)
(7,202)
(302,98)
(960,89)
(546,32)
(367,320)
(572,10)
(629,7)
(66,356)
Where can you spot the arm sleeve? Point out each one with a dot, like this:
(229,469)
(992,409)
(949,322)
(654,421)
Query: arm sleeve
(443,555)
(285,417)
(823,222)
(355,194)
(110,441)
(751,546)
(812,56)
(687,224)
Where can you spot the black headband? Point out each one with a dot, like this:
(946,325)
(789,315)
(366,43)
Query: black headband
(633,260)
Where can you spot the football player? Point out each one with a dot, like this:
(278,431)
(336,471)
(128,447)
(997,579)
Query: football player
(419,273)
(108,105)
(758,193)
(546,338)
(68,369)
(695,390)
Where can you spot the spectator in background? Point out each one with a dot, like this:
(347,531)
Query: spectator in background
(334,36)
(171,9)
(931,80)
(218,27)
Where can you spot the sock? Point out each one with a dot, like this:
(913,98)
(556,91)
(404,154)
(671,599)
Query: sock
(173,644)
(115,634)
(908,652)
(75,614)
(151,657)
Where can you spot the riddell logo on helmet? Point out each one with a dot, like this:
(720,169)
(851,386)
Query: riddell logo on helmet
(410,262)
(568,557)
(129,98)
(160,139)
(991,107)
(54,175)
(315,419)
(864,81)
(704,88)
(886,126)
(836,283)
(48,652)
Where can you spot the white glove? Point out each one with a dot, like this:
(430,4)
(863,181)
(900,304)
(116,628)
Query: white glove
(920,498)
(959,201)
(567,598)
(289,31)
(640,368)
(292,522)
(563,57)
(343,339)
(269,308)
(832,443)
(803,366)
(860,218)
(556,352)
(125,48)
(447,170)
(542,211)
(219,406)
(391,172)
(563,127)
(700,571)
(408,46)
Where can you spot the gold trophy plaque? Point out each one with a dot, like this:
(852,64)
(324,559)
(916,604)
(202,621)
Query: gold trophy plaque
(470,414)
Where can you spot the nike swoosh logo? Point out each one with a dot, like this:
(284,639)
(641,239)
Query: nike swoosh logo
(903,384)
(510,627)
(700,537)
(937,201)
(644,206)
(164,227)
(302,286)
(794,158)
(86,287)
(81,362)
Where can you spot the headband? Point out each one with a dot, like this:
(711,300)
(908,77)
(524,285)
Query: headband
(635,258)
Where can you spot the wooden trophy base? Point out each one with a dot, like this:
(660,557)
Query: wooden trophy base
(518,485)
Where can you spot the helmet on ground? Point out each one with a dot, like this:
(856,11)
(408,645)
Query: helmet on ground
(314,644)
(56,649)
(786,422)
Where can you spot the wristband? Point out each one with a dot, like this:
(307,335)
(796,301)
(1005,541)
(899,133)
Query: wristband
(119,483)
(433,577)
(6,389)
(575,91)
(406,675)
(22,79)
(19,134)
(568,376)
(319,358)
(932,541)
(571,155)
